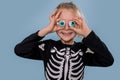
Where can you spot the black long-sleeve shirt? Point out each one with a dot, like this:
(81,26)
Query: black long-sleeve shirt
(62,61)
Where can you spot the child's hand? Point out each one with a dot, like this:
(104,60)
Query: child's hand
(53,21)
(81,27)
(52,27)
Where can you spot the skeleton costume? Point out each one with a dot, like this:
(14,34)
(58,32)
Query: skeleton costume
(62,61)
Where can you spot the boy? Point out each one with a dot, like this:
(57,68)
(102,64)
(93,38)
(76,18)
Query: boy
(66,59)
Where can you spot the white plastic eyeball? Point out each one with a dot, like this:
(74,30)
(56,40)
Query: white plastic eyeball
(61,23)
(72,23)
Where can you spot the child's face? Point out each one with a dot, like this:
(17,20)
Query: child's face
(67,34)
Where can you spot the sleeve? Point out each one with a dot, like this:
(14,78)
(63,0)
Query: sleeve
(28,48)
(97,54)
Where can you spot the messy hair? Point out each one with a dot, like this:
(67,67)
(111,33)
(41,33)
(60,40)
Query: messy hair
(69,5)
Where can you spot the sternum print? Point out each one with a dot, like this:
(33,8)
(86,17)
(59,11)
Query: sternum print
(65,64)
(66,68)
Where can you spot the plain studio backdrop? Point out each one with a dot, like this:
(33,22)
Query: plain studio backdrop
(20,18)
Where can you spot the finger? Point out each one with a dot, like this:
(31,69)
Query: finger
(54,12)
(58,19)
(78,22)
(83,21)
(58,14)
(74,28)
(52,16)
(57,28)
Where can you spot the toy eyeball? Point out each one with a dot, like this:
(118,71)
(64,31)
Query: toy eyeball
(61,23)
(72,23)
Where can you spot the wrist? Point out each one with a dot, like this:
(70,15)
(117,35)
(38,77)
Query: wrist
(43,32)
(86,33)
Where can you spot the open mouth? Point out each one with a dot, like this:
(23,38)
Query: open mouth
(67,33)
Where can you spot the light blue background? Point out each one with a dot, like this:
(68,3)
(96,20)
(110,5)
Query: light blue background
(19,18)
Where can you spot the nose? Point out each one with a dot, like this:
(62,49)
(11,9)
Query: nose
(66,27)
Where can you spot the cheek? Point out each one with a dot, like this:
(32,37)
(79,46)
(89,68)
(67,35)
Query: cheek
(74,34)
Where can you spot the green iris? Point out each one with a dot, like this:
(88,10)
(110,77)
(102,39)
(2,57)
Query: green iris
(72,23)
(61,23)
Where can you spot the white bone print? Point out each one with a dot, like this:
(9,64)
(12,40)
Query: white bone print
(65,64)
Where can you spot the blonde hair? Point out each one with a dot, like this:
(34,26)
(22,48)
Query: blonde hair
(70,5)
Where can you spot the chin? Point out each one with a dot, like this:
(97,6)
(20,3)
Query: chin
(67,41)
